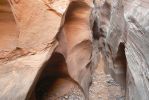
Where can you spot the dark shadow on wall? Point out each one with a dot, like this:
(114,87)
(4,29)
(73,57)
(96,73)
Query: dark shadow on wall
(51,71)
(119,68)
(120,62)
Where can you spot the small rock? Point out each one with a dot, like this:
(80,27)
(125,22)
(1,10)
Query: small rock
(66,97)
(111,82)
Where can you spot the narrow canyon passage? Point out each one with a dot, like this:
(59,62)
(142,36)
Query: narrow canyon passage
(56,68)
(62,88)
(61,78)
(74,50)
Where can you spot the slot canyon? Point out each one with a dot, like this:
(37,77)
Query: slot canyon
(74,49)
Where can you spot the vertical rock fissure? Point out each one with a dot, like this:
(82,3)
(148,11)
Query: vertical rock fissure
(116,62)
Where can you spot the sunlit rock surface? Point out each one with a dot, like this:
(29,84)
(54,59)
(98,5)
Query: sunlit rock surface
(63,38)
(27,31)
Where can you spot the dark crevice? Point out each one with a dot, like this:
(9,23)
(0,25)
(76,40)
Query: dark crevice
(118,71)
(56,66)
(96,32)
(120,62)
(54,69)
(116,64)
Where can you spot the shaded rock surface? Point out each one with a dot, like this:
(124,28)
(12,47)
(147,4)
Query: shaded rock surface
(101,88)
(137,47)
(128,27)
(47,44)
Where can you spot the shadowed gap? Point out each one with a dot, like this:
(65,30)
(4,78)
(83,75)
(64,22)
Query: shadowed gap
(120,64)
(95,30)
(53,69)
(117,66)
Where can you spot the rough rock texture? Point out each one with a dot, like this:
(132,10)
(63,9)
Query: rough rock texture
(20,63)
(8,30)
(127,46)
(75,36)
(17,76)
(101,88)
(137,50)
(58,42)
(36,22)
